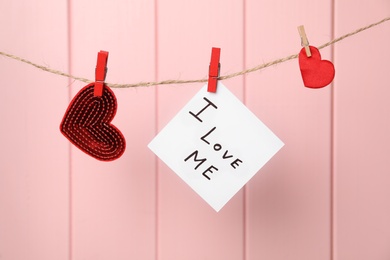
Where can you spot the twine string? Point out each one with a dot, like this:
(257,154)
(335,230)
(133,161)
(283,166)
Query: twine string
(168,82)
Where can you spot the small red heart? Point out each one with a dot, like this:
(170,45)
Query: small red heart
(87,124)
(316,73)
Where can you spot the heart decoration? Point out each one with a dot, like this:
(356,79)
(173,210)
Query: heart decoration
(316,73)
(87,124)
(87,121)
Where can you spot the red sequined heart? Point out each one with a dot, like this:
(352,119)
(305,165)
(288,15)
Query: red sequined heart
(316,73)
(87,124)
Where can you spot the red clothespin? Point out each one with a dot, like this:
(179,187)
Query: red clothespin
(100,73)
(214,69)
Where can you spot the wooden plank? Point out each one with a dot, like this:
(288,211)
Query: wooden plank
(362,209)
(288,201)
(34,184)
(114,202)
(188,227)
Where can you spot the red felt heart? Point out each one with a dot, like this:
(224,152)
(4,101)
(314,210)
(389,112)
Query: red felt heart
(87,124)
(316,73)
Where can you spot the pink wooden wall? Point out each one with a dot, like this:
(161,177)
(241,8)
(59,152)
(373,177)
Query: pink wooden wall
(325,195)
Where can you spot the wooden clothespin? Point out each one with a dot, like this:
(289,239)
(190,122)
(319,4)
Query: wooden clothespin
(100,73)
(304,40)
(214,69)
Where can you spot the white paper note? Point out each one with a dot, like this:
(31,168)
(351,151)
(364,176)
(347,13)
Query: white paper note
(216,145)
